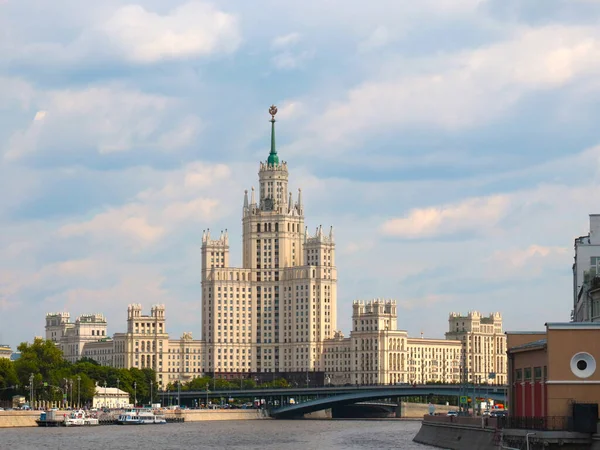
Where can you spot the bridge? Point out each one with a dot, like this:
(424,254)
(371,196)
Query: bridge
(380,392)
(307,400)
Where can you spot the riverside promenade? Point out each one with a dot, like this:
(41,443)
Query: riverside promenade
(14,419)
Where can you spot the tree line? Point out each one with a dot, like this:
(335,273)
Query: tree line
(43,366)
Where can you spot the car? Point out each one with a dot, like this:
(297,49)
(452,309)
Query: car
(499,413)
(452,413)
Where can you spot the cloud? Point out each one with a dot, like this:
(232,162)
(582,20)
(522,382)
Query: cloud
(380,37)
(155,212)
(130,221)
(427,301)
(456,91)
(473,215)
(106,119)
(285,40)
(531,261)
(288,60)
(192,29)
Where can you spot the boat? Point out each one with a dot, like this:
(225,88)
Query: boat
(79,418)
(140,417)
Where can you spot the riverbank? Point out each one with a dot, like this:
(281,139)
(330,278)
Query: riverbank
(468,433)
(16,419)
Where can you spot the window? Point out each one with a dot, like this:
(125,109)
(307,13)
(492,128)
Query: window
(537,373)
(527,372)
(519,375)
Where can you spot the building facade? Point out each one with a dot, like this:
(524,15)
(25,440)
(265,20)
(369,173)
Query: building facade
(274,313)
(483,344)
(5,351)
(111,397)
(278,313)
(586,266)
(378,353)
(73,337)
(552,371)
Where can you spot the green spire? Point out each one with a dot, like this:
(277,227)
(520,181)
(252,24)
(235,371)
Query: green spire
(273,159)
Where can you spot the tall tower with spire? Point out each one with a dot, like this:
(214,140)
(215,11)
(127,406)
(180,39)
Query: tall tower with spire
(273,314)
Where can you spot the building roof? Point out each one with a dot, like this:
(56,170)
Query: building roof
(101,390)
(573,325)
(541,343)
(525,332)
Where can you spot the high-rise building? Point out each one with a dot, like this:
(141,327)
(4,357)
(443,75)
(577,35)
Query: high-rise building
(274,313)
(586,266)
(483,346)
(277,313)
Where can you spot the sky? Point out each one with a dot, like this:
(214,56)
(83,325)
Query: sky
(453,144)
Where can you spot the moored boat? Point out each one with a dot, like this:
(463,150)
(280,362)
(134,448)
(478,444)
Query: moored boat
(79,418)
(140,417)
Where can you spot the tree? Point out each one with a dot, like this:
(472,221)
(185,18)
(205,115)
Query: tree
(8,378)
(40,357)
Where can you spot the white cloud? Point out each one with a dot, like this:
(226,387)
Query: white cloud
(288,60)
(192,29)
(460,90)
(380,37)
(473,215)
(285,40)
(156,212)
(427,301)
(531,261)
(130,221)
(108,119)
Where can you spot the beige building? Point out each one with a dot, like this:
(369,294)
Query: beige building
(274,313)
(378,353)
(101,351)
(277,313)
(72,338)
(146,344)
(484,346)
(110,397)
(5,351)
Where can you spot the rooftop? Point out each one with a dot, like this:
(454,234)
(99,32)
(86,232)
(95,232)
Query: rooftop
(573,325)
(541,343)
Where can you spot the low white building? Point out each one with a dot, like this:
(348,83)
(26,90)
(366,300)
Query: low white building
(5,351)
(110,397)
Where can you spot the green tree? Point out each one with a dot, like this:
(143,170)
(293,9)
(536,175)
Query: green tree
(8,378)
(39,358)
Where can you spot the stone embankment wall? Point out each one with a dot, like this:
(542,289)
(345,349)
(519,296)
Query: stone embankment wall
(464,433)
(10,419)
(418,410)
(197,415)
(470,433)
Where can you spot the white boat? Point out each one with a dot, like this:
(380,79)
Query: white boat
(79,418)
(140,417)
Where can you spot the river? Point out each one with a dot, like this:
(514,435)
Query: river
(247,435)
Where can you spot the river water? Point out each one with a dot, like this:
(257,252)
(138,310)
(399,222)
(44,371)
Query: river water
(247,435)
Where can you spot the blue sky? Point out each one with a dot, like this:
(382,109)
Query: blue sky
(453,144)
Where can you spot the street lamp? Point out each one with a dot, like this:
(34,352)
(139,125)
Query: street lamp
(134,394)
(105,393)
(151,400)
(118,393)
(179,391)
(78,391)
(206,395)
(31,390)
